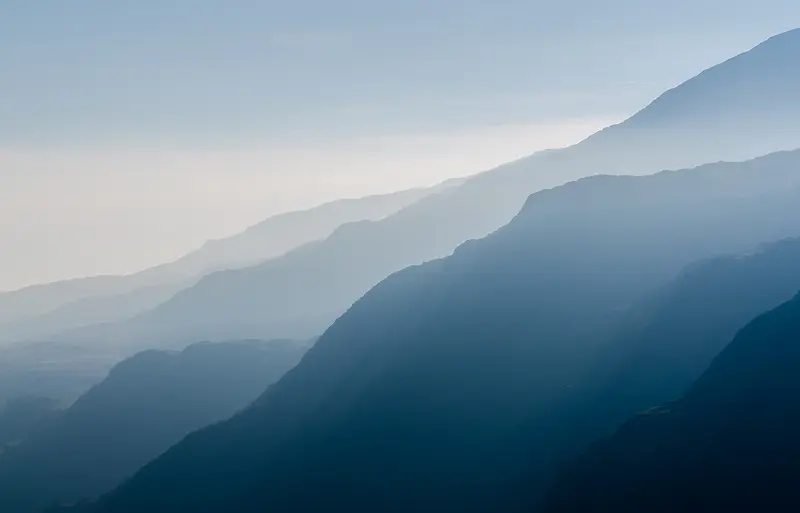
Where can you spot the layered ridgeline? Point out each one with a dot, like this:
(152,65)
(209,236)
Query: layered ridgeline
(41,310)
(144,406)
(750,106)
(730,444)
(450,381)
(667,341)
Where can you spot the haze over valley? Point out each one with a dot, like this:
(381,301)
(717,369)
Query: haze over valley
(423,258)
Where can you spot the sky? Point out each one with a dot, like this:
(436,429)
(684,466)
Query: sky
(130,132)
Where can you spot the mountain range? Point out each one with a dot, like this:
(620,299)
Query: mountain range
(146,404)
(729,444)
(669,339)
(450,381)
(757,94)
(575,358)
(42,310)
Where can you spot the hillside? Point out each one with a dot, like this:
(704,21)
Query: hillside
(146,404)
(43,310)
(300,294)
(449,380)
(730,444)
(666,342)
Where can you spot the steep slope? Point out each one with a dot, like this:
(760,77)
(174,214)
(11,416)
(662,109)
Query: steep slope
(146,404)
(103,298)
(304,292)
(750,103)
(730,444)
(420,397)
(667,342)
(277,235)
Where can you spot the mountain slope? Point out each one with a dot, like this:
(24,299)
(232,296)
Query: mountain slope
(730,444)
(750,103)
(103,298)
(421,396)
(302,293)
(667,342)
(89,311)
(146,404)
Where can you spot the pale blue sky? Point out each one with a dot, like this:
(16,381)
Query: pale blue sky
(153,105)
(170,70)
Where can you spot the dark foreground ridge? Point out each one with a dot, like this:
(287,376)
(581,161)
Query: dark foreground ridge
(729,445)
(147,403)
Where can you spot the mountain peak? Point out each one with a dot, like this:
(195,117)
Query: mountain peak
(793,35)
(735,89)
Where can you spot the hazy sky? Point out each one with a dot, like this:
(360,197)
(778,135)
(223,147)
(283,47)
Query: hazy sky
(132,131)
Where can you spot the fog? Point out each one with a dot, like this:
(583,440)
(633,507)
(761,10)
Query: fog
(191,121)
(457,256)
(111,210)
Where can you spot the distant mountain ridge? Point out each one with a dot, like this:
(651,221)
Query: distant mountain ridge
(42,310)
(749,101)
(301,293)
(672,338)
(448,379)
(146,404)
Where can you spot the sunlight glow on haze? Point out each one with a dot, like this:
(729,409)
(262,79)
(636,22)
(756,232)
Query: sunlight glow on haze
(132,132)
(141,208)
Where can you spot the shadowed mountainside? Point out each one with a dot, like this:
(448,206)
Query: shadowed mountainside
(730,444)
(146,404)
(667,342)
(421,396)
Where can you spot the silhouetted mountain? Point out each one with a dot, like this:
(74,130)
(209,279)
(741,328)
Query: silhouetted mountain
(46,309)
(302,293)
(749,103)
(730,444)
(667,342)
(89,311)
(38,299)
(146,404)
(421,396)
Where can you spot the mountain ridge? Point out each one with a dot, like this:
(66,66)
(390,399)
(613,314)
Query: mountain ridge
(729,444)
(146,404)
(485,340)
(471,209)
(435,226)
(39,311)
